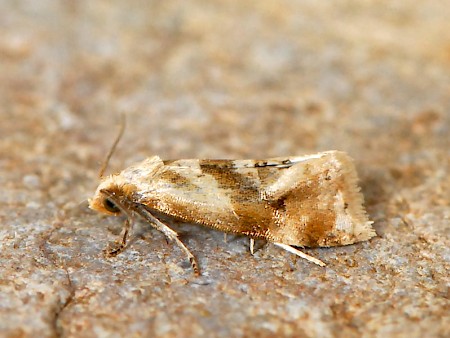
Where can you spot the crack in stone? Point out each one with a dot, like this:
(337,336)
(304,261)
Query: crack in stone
(57,326)
(69,286)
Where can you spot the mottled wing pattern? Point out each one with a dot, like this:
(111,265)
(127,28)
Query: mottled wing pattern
(305,201)
(215,193)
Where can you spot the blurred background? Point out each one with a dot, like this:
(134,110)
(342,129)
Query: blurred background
(222,79)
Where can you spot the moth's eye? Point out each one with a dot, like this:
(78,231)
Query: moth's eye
(111,206)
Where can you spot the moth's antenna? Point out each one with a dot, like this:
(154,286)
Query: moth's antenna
(113,148)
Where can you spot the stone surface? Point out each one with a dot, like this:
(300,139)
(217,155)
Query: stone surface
(222,79)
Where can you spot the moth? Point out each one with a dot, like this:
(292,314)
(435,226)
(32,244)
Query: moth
(300,201)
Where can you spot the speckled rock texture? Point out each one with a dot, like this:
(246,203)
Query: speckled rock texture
(222,79)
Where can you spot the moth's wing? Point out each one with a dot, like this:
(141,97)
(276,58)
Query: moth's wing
(309,200)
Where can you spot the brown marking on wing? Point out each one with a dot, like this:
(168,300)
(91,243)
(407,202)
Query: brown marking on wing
(310,203)
(176,179)
(254,216)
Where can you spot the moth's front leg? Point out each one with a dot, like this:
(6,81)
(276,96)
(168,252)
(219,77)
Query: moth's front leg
(118,246)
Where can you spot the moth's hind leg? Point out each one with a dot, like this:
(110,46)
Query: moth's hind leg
(169,233)
(300,254)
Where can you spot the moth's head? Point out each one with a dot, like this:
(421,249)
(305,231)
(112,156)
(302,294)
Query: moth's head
(110,195)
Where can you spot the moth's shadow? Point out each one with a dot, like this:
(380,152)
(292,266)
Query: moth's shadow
(378,188)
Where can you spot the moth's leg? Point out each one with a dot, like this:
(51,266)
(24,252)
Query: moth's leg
(169,233)
(123,206)
(300,254)
(225,237)
(252,246)
(120,246)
